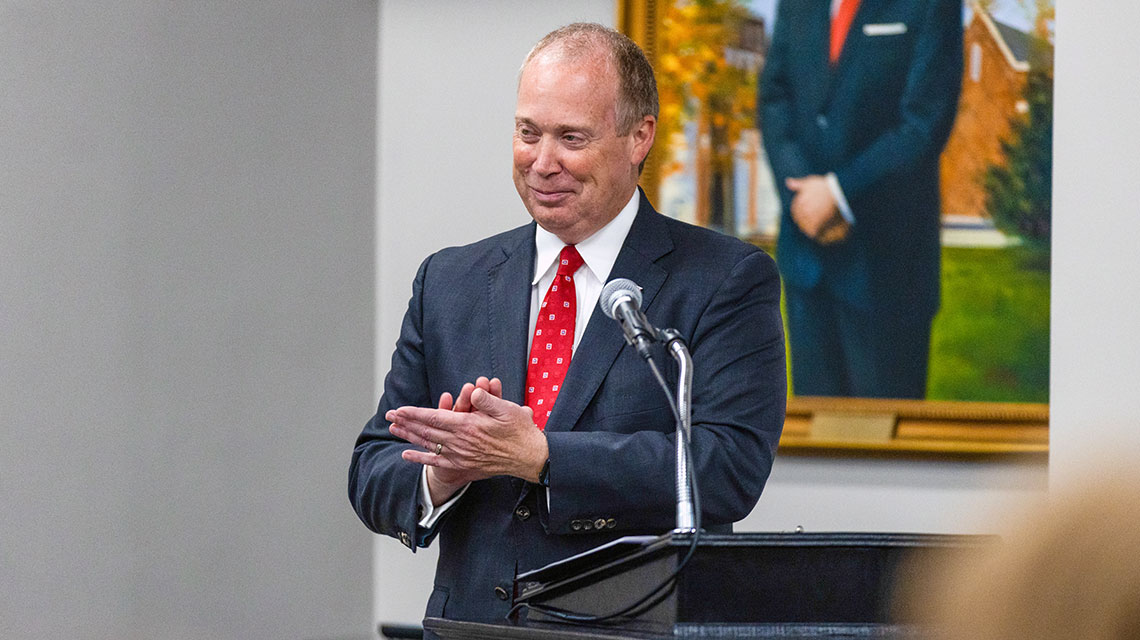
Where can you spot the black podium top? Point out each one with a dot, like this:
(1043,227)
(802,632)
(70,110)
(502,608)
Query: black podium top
(750,585)
(632,549)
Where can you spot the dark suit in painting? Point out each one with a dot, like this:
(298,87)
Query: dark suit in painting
(610,433)
(860,310)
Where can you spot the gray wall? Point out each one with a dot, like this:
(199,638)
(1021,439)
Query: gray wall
(1096,256)
(186,318)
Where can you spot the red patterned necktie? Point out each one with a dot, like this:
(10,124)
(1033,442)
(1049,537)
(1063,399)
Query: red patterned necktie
(840,25)
(553,338)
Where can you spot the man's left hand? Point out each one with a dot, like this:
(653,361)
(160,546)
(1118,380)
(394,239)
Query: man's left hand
(815,211)
(497,437)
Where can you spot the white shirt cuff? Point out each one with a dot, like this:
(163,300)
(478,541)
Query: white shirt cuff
(840,199)
(432,514)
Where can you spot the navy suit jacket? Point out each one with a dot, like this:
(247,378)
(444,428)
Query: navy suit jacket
(878,119)
(611,430)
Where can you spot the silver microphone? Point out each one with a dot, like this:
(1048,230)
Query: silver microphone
(621,300)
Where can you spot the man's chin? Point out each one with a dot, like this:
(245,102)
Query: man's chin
(556,220)
(551,213)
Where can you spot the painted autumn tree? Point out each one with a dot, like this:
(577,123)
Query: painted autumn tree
(1019,193)
(699,82)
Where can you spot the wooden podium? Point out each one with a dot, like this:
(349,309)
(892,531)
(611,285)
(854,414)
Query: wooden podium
(749,585)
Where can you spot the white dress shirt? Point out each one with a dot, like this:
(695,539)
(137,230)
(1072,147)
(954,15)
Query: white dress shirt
(599,252)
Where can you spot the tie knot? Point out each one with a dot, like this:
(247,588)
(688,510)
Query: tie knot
(569,261)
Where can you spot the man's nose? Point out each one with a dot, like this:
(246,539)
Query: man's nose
(546,160)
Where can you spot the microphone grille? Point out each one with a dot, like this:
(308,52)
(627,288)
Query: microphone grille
(615,291)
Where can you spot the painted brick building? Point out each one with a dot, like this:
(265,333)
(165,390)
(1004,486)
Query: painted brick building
(993,82)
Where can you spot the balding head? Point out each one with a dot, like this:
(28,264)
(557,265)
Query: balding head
(592,43)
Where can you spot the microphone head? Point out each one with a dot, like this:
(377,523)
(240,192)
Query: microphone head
(617,290)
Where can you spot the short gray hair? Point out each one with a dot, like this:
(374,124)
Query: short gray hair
(637,87)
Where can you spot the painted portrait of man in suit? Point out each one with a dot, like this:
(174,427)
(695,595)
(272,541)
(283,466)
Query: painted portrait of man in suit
(871,144)
(858,99)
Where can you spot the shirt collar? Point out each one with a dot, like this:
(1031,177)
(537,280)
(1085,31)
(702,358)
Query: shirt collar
(599,251)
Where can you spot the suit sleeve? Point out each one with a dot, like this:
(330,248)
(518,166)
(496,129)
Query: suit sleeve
(382,486)
(739,397)
(928,104)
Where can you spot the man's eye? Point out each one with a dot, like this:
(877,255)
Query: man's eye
(527,134)
(573,139)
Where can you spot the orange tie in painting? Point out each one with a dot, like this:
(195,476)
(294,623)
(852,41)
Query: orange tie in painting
(840,25)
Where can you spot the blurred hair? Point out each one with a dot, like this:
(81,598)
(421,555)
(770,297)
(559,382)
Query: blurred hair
(1070,570)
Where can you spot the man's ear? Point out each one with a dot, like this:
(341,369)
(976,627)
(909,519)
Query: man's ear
(642,137)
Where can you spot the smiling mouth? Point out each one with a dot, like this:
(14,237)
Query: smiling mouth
(550,197)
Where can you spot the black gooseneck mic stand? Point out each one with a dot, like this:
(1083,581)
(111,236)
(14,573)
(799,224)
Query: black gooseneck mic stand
(621,300)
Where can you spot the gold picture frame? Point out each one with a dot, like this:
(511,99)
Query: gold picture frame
(874,427)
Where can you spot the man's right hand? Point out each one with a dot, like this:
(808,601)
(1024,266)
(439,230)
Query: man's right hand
(443,483)
(815,210)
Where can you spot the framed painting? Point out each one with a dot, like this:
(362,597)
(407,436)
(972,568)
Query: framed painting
(727,157)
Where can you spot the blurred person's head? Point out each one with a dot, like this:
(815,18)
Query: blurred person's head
(1070,570)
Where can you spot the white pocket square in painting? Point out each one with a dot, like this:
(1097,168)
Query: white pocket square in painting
(885,29)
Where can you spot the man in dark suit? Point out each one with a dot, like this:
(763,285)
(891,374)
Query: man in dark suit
(858,99)
(472,468)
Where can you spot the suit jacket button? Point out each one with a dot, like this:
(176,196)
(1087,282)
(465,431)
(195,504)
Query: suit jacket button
(575,525)
(600,523)
(501,593)
(821,120)
(406,539)
(523,512)
(587,524)
(611,523)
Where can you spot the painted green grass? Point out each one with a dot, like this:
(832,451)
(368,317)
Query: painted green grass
(991,337)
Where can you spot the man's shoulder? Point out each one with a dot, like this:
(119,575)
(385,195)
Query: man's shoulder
(486,252)
(702,245)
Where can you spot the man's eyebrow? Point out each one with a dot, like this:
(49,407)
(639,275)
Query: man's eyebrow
(559,128)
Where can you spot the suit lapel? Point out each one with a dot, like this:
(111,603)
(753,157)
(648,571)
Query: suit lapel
(855,41)
(647,241)
(829,76)
(508,315)
(816,43)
